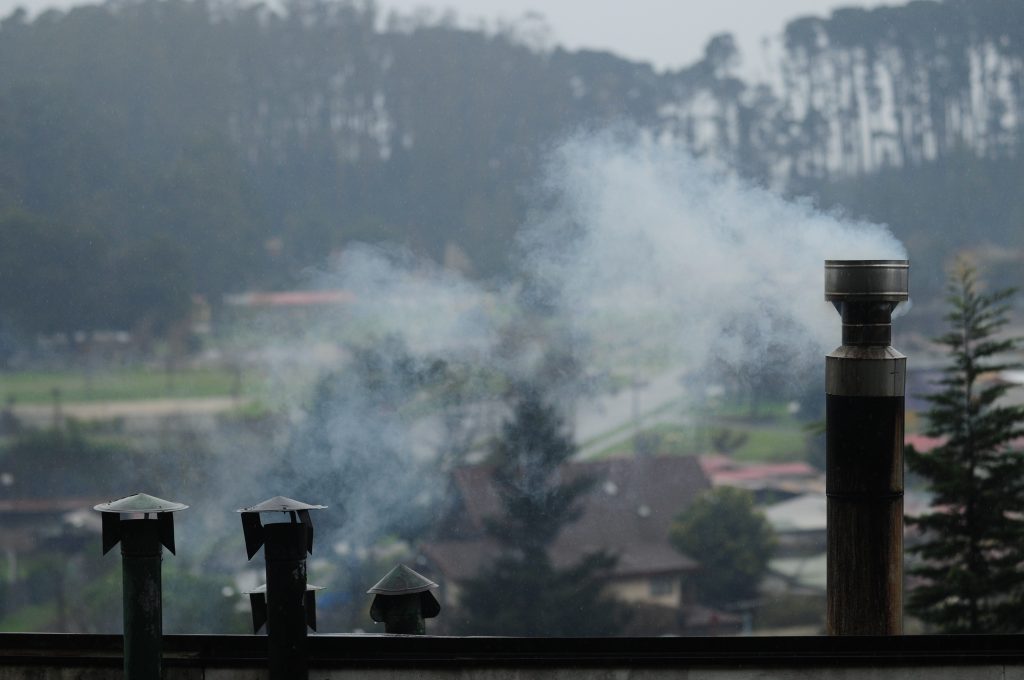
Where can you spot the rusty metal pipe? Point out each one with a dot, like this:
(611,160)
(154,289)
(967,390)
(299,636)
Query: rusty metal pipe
(865,386)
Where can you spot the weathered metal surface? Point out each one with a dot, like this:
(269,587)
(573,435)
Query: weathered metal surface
(140,503)
(879,280)
(402,581)
(405,614)
(141,591)
(863,371)
(286,604)
(141,554)
(258,603)
(281,504)
(864,413)
(864,473)
(403,602)
(285,552)
(252,525)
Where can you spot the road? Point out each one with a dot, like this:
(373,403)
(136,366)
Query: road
(608,419)
(147,409)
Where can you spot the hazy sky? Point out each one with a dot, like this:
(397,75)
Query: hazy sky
(668,33)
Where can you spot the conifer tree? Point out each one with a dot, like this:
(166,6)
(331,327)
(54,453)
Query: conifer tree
(972,541)
(522,592)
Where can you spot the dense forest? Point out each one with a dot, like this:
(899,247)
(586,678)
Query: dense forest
(155,149)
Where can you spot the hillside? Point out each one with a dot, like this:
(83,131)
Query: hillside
(192,147)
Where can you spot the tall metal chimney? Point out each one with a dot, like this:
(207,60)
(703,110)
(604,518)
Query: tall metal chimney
(865,384)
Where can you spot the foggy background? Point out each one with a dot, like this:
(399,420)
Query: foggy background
(323,249)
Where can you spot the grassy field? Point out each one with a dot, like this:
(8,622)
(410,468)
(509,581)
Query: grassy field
(773,436)
(123,385)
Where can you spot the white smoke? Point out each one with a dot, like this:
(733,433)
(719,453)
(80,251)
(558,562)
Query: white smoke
(640,250)
(436,311)
(659,249)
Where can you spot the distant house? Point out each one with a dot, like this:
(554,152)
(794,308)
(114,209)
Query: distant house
(627,512)
(799,524)
(292,306)
(769,482)
(923,443)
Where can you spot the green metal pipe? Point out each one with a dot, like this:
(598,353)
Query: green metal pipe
(141,554)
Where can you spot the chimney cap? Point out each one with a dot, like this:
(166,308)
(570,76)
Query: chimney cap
(281,504)
(140,502)
(867,280)
(402,581)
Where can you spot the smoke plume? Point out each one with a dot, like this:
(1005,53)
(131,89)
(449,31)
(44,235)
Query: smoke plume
(646,244)
(637,253)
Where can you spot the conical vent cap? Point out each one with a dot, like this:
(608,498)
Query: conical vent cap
(402,581)
(281,504)
(140,502)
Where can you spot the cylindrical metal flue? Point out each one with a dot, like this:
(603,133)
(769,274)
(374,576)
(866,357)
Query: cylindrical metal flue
(141,554)
(286,605)
(865,382)
(285,551)
(142,542)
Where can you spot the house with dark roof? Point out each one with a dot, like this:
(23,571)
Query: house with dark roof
(627,512)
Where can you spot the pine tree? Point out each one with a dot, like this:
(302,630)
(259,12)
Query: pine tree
(971,548)
(522,592)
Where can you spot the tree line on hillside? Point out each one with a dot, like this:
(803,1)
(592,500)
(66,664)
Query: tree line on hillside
(229,146)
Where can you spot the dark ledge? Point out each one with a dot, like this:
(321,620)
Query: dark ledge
(396,651)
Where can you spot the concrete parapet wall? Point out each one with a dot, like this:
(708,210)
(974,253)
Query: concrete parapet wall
(230,657)
(998,672)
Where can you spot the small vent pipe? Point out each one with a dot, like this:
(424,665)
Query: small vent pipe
(287,604)
(403,602)
(142,541)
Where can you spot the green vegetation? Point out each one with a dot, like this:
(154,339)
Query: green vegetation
(36,387)
(772,445)
(772,436)
(33,617)
(732,541)
(116,191)
(521,592)
(972,543)
(66,462)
